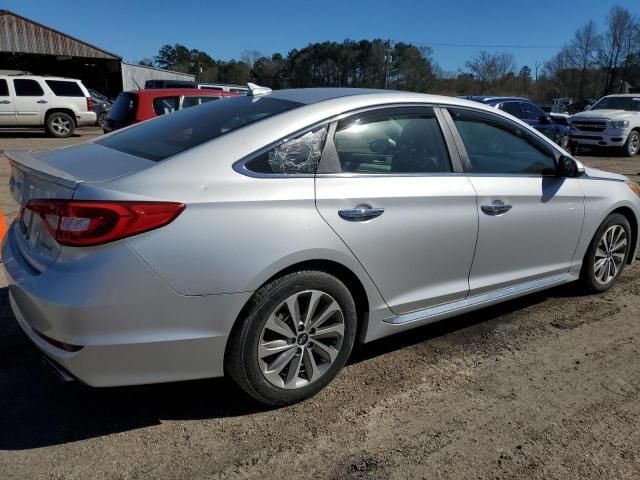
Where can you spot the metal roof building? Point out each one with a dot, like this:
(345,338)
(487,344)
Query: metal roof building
(29,46)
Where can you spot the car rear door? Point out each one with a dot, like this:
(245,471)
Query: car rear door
(30,101)
(530,219)
(7,107)
(387,185)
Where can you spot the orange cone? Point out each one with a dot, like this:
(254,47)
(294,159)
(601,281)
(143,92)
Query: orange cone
(3,226)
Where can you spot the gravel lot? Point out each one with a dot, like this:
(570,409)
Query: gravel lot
(544,387)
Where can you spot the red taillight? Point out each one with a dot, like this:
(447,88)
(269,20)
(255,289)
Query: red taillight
(85,223)
(89,104)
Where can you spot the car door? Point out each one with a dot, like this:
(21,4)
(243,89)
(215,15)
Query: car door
(539,120)
(7,108)
(386,185)
(30,102)
(530,219)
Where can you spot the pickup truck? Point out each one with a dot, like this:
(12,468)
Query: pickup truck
(613,121)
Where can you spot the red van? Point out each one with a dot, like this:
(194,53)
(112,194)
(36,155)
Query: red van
(140,105)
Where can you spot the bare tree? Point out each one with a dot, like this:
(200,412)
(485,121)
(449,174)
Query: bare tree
(583,50)
(482,68)
(618,43)
(250,57)
(504,64)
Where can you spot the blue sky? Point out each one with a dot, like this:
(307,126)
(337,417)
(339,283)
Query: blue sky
(137,28)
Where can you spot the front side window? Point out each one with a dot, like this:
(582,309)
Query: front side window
(292,157)
(496,146)
(4,88)
(63,88)
(27,88)
(512,108)
(164,105)
(394,143)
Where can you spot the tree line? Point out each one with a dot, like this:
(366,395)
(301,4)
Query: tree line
(592,63)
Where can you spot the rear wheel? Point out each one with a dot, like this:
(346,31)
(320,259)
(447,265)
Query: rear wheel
(632,145)
(102,118)
(296,335)
(60,124)
(607,254)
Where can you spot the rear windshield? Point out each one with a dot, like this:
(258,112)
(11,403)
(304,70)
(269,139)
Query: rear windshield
(124,108)
(62,88)
(171,134)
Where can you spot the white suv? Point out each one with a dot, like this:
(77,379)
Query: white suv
(57,104)
(613,121)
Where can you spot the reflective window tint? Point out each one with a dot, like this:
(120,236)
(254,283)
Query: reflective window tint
(531,111)
(4,88)
(27,88)
(63,88)
(512,108)
(164,105)
(400,143)
(497,146)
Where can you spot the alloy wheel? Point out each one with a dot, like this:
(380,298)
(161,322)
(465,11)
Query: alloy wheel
(61,125)
(634,143)
(301,339)
(610,254)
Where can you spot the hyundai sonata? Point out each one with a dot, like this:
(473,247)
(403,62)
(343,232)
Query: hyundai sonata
(261,236)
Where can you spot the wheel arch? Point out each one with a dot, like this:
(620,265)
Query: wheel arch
(633,222)
(338,270)
(68,111)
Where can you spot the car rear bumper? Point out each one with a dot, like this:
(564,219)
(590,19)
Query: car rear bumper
(86,118)
(132,327)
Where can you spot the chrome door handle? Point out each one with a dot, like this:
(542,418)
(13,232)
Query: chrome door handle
(361,213)
(496,208)
(4,102)
(42,101)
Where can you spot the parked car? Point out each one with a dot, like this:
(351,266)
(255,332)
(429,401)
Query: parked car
(57,104)
(223,87)
(262,236)
(101,105)
(139,105)
(613,121)
(553,126)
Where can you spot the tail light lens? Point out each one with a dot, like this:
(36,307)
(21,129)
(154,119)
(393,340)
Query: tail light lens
(87,223)
(89,104)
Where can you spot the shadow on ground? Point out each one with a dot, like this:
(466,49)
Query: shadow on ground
(37,409)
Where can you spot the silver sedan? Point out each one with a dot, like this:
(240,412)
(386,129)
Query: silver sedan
(262,236)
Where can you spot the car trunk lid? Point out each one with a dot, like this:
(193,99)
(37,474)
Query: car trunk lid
(55,174)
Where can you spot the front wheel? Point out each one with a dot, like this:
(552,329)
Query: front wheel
(607,254)
(295,336)
(60,125)
(632,145)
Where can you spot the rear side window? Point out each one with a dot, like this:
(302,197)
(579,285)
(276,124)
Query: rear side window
(193,101)
(163,105)
(63,88)
(293,157)
(27,88)
(496,146)
(169,135)
(512,108)
(394,143)
(4,88)
(124,108)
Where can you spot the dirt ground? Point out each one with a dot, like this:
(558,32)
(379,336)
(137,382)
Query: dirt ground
(544,387)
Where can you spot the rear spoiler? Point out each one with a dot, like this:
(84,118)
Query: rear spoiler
(25,160)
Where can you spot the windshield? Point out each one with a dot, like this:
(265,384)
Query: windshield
(630,104)
(171,134)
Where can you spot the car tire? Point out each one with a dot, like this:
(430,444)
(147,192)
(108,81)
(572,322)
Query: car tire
(102,117)
(603,264)
(60,125)
(279,366)
(632,145)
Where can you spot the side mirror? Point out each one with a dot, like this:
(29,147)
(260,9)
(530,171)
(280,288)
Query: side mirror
(544,119)
(587,107)
(568,167)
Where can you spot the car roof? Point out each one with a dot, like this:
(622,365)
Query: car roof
(167,92)
(493,99)
(629,95)
(41,77)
